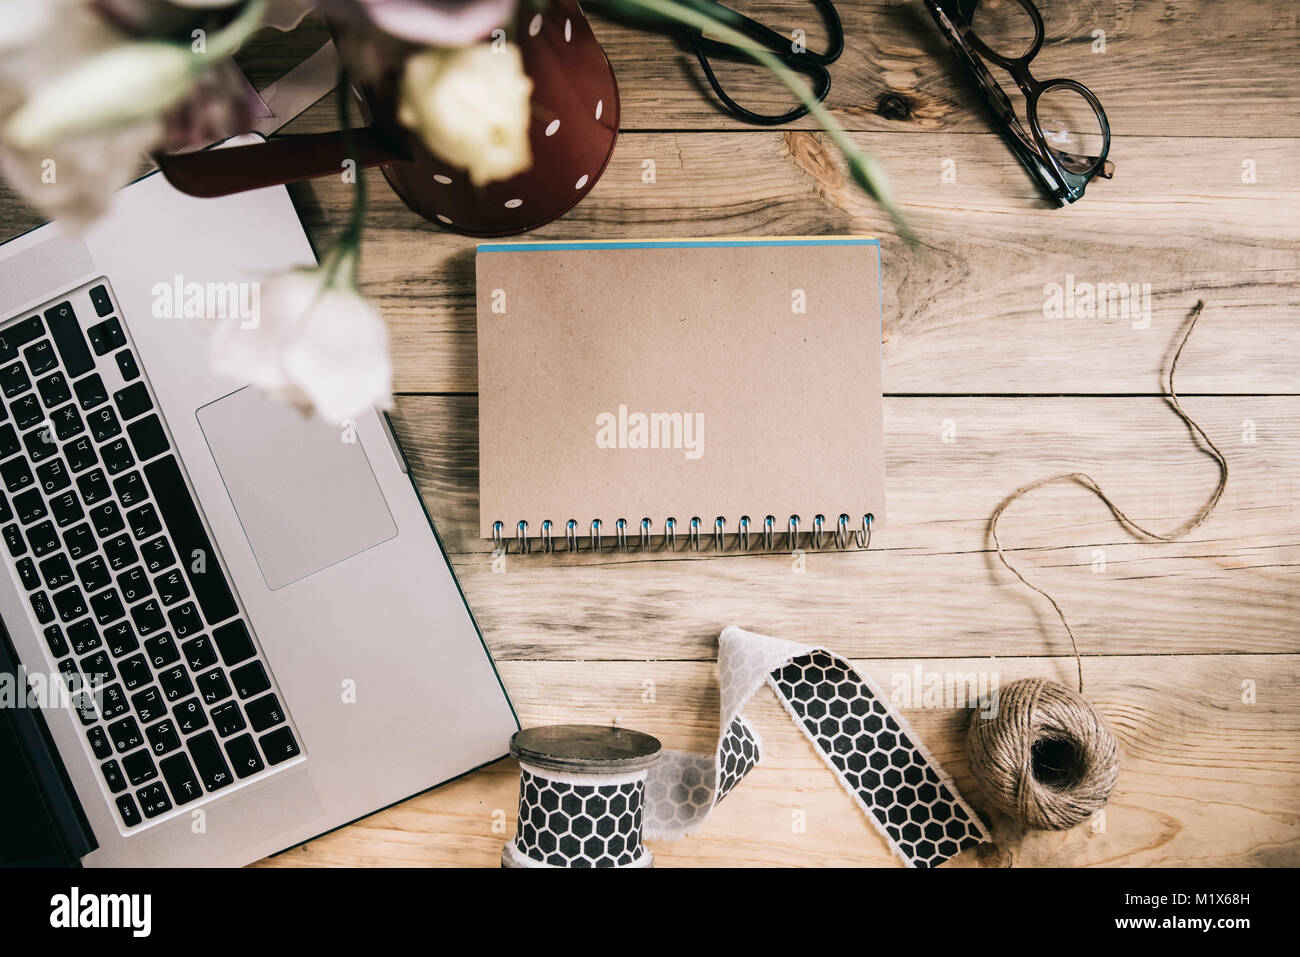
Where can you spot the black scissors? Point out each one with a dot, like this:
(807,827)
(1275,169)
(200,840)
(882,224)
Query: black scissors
(792,53)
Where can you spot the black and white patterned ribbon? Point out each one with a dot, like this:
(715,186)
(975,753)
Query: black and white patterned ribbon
(873,752)
(574,820)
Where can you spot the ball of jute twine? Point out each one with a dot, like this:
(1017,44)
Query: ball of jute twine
(1042,753)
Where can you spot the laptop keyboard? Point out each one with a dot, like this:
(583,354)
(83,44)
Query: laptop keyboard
(104,537)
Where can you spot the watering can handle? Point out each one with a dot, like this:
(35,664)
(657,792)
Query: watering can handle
(285,159)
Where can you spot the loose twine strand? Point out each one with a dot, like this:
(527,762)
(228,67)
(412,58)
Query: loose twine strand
(1089,482)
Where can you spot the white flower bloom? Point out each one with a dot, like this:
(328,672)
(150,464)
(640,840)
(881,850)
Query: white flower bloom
(319,346)
(123,85)
(470,106)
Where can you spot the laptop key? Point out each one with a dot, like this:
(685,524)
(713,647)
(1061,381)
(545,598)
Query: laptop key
(39,443)
(175,682)
(139,767)
(157,554)
(148,617)
(54,390)
(144,521)
(182,519)
(190,716)
(93,487)
(149,705)
(17,475)
(99,299)
(180,778)
(127,810)
(19,334)
(264,712)
(83,636)
(133,400)
(80,455)
(120,552)
(80,541)
(130,489)
(43,538)
(120,639)
(136,673)
(67,422)
(126,365)
(213,686)
(40,357)
(98,667)
(134,584)
(30,506)
(90,392)
(27,412)
(56,571)
(115,702)
(148,438)
(52,476)
(106,336)
(154,800)
(107,519)
(210,762)
(8,441)
(67,509)
(70,603)
(125,735)
(113,775)
(185,620)
(66,332)
(163,737)
(199,653)
(104,424)
(243,755)
(58,645)
(250,679)
(162,650)
(117,456)
(13,380)
(171,588)
(107,607)
(279,745)
(228,719)
(26,569)
(99,743)
(41,607)
(13,536)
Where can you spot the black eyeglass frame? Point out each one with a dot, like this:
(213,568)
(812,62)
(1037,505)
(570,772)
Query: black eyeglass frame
(809,63)
(1040,159)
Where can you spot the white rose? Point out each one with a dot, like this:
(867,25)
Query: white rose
(470,106)
(318,345)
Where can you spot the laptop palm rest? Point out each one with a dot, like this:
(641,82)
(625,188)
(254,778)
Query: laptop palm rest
(303,489)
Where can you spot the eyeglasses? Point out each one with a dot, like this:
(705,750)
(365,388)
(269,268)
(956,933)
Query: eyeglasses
(713,53)
(1068,136)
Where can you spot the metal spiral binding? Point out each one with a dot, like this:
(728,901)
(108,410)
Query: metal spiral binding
(819,538)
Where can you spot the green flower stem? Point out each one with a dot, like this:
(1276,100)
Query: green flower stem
(866,171)
(345,257)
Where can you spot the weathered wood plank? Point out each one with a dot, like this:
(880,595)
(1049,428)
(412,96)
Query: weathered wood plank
(1205,778)
(930,581)
(1168,69)
(964,312)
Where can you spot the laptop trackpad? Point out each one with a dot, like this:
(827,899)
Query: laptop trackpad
(307,499)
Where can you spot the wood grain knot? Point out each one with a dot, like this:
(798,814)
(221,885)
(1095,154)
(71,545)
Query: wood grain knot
(894,106)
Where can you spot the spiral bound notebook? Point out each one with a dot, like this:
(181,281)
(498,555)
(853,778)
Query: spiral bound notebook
(701,393)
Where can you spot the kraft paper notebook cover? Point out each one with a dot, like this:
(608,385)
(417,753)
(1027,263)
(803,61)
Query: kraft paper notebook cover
(679,380)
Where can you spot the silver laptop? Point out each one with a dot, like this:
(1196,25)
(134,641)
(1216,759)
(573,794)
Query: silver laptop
(257,628)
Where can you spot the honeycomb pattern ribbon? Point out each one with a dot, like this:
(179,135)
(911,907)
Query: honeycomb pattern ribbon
(873,752)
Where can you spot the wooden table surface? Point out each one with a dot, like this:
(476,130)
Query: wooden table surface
(1192,649)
